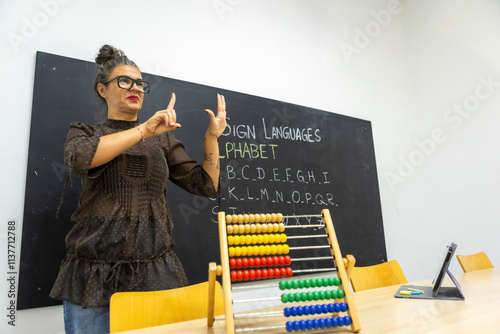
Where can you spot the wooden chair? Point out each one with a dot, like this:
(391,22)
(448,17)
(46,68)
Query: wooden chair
(474,262)
(135,310)
(377,276)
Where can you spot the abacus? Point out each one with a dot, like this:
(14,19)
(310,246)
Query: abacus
(254,247)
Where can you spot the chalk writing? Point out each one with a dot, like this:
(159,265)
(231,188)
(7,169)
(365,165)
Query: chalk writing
(240,131)
(244,150)
(247,193)
(285,132)
(244,131)
(290,175)
(259,170)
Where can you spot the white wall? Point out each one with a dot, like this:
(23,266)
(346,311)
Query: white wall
(406,66)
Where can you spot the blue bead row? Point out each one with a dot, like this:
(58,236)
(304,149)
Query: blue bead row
(314,309)
(304,325)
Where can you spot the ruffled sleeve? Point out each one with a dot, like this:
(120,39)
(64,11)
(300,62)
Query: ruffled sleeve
(184,171)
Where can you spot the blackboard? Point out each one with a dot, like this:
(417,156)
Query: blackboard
(275,157)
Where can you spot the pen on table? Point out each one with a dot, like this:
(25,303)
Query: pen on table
(417,290)
(409,292)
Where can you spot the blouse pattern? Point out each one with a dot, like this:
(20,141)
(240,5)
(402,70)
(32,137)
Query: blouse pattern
(122,234)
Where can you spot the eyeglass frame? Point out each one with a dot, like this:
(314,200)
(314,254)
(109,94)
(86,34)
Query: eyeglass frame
(134,81)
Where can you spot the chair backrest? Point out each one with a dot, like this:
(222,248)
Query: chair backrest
(134,310)
(473,262)
(377,276)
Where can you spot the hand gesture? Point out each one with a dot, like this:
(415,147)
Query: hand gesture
(217,123)
(163,120)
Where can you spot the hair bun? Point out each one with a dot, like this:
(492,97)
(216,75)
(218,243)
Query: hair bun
(108,52)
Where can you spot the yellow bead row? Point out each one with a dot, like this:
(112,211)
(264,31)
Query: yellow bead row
(252,239)
(258,250)
(254,218)
(255,228)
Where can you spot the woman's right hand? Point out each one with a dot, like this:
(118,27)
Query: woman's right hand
(162,121)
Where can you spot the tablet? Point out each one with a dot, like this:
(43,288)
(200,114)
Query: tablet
(443,268)
(436,291)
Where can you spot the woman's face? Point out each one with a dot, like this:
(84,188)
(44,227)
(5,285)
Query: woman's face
(123,104)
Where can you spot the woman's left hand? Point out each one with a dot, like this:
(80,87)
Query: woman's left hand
(217,123)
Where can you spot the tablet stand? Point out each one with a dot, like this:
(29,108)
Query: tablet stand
(445,292)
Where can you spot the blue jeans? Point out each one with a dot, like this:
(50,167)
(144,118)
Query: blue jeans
(88,320)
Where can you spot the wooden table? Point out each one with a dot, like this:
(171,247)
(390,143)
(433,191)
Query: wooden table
(380,312)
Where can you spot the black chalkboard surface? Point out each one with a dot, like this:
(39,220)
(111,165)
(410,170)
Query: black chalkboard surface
(275,157)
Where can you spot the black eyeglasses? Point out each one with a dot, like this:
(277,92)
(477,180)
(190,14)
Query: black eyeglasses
(127,83)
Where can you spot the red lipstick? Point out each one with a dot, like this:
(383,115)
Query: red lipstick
(133,98)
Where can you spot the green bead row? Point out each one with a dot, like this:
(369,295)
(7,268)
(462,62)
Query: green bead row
(309,296)
(309,283)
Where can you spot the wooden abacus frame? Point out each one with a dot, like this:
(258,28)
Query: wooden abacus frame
(338,262)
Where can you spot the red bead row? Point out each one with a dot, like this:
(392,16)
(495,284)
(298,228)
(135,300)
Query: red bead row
(255,274)
(260,261)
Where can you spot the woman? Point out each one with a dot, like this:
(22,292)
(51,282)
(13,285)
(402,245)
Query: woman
(121,239)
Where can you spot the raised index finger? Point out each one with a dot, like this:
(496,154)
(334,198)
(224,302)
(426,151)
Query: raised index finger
(172,102)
